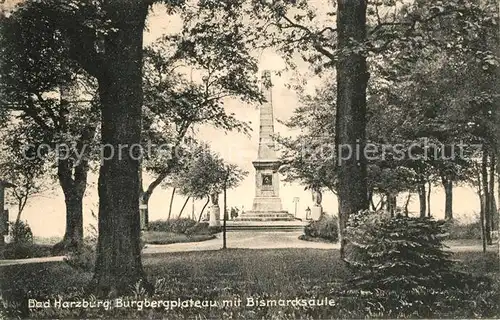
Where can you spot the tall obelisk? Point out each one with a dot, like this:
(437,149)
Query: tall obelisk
(267,203)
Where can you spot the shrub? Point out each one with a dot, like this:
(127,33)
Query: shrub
(400,265)
(22,246)
(18,251)
(325,228)
(201,228)
(25,250)
(458,231)
(215,229)
(175,225)
(21,232)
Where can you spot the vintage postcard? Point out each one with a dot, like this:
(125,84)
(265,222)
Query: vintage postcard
(249,159)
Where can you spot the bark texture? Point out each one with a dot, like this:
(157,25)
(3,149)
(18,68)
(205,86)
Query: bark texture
(118,263)
(352,79)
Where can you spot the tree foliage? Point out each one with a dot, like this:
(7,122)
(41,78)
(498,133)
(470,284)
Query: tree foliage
(400,265)
(30,175)
(207,174)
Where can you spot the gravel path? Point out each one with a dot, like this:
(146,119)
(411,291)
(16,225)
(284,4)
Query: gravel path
(241,240)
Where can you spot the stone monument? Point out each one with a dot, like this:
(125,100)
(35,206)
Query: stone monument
(267,202)
(214,217)
(317,209)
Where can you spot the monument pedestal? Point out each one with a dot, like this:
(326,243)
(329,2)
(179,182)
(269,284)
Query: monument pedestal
(265,216)
(267,202)
(316,212)
(214,216)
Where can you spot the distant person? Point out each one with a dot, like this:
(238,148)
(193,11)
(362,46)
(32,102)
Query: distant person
(234,213)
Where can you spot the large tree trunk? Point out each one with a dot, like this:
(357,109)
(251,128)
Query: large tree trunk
(497,119)
(498,193)
(352,80)
(448,192)
(422,197)
(72,173)
(74,224)
(486,195)
(493,205)
(73,183)
(118,263)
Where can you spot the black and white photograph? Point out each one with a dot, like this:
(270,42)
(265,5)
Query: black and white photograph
(249,159)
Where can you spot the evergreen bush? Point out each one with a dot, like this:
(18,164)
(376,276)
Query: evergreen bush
(400,265)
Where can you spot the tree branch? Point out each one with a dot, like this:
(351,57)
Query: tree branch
(314,37)
(81,40)
(31,112)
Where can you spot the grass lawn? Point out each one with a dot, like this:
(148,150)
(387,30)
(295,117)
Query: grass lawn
(160,237)
(215,275)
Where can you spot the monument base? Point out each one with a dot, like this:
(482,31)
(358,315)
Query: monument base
(265,216)
(214,219)
(266,226)
(267,204)
(316,212)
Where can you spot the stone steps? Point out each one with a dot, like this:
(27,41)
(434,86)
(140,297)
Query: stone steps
(269,225)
